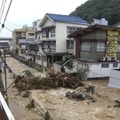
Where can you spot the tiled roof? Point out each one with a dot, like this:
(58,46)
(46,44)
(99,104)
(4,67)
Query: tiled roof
(22,41)
(93,28)
(66,18)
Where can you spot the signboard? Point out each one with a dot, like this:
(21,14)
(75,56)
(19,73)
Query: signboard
(111,44)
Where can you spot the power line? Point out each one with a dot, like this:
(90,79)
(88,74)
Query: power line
(1,5)
(6,16)
(13,23)
(7,11)
(2,8)
(8,29)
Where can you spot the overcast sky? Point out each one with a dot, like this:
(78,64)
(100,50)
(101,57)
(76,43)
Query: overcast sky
(26,11)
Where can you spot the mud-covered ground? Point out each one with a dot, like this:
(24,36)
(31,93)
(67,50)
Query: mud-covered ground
(58,105)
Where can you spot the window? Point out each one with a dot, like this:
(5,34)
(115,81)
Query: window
(70,44)
(71,30)
(115,64)
(104,65)
(45,45)
(38,57)
(52,32)
(118,47)
(18,35)
(45,33)
(85,46)
(100,46)
(52,45)
(38,38)
(31,34)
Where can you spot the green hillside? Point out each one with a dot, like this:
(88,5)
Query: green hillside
(109,9)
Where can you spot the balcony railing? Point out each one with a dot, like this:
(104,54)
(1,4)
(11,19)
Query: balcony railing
(5,113)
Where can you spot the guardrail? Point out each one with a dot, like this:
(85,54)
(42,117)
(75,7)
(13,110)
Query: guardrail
(5,113)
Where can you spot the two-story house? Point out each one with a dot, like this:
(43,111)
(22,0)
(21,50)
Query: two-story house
(99,46)
(54,31)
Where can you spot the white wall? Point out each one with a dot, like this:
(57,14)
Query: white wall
(49,23)
(61,35)
(95,69)
(41,62)
(114,80)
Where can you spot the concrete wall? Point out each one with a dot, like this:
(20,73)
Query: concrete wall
(97,71)
(114,80)
(95,68)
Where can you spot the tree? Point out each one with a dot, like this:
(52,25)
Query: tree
(98,9)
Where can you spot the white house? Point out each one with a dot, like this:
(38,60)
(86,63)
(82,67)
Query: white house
(54,31)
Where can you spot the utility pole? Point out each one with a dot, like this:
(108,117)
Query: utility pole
(52,61)
(5,74)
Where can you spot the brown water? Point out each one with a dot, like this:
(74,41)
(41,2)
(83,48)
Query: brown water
(60,107)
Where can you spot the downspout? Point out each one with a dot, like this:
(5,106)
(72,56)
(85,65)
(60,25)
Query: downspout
(77,54)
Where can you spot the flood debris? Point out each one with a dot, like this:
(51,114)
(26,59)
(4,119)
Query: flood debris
(25,94)
(47,116)
(84,94)
(52,80)
(117,103)
(31,105)
(78,96)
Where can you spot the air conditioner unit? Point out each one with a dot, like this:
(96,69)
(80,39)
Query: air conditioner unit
(103,59)
(46,50)
(113,59)
(108,58)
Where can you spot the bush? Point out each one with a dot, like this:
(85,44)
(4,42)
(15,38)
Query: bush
(82,72)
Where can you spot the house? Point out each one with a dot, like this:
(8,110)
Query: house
(37,29)
(101,21)
(54,31)
(6,41)
(99,46)
(25,32)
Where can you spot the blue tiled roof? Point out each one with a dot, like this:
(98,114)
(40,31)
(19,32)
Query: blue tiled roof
(66,18)
(22,41)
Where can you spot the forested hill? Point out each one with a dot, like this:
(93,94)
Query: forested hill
(109,9)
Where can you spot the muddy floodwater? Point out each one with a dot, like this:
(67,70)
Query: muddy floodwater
(58,105)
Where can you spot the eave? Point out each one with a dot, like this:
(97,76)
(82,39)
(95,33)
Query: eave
(92,29)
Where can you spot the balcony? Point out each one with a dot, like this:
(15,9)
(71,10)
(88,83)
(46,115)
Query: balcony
(48,50)
(32,52)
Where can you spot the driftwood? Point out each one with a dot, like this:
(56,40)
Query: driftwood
(51,81)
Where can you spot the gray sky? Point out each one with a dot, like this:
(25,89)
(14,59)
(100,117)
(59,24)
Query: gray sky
(26,11)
